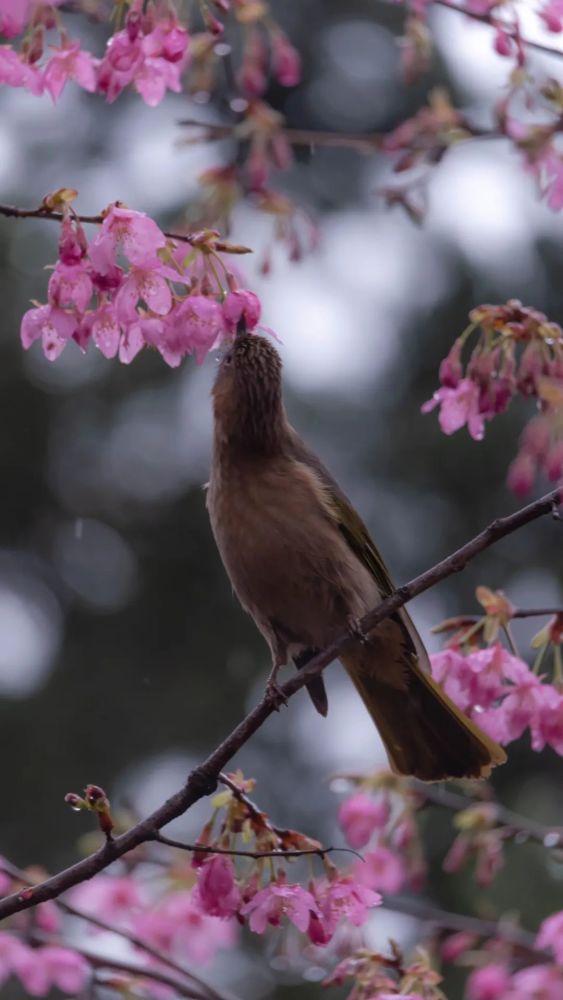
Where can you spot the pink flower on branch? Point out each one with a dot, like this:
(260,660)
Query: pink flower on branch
(70,62)
(267,907)
(360,816)
(217,890)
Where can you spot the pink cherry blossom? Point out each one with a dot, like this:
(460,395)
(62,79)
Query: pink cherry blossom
(458,406)
(277,900)
(178,926)
(217,890)
(105,330)
(153,62)
(65,969)
(54,326)
(15,72)
(70,62)
(113,897)
(70,285)
(542,981)
(286,60)
(489,983)
(552,15)
(123,59)
(381,869)
(195,326)
(547,727)
(148,285)
(138,237)
(360,816)
(241,304)
(344,898)
(14,15)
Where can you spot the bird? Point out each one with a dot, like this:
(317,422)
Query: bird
(303,565)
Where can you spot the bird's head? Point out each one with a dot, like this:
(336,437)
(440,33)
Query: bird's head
(247,395)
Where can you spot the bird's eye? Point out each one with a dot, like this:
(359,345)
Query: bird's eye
(228,359)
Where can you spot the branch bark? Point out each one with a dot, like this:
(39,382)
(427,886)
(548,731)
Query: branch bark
(203,779)
(12,212)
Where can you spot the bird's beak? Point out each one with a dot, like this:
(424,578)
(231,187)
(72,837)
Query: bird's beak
(241,328)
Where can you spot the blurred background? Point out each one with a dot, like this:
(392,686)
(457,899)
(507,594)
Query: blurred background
(123,656)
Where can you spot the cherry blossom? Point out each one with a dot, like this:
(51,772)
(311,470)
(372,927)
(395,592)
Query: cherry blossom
(70,62)
(381,869)
(360,816)
(267,907)
(218,893)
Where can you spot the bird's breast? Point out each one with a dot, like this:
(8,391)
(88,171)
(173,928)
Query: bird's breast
(284,553)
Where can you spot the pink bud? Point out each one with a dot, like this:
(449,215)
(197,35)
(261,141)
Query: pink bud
(257,167)
(451,369)
(456,945)
(503,43)
(218,893)
(554,462)
(492,982)
(280,151)
(286,60)
(521,474)
(535,437)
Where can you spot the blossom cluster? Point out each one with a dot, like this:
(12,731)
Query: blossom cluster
(131,286)
(187,904)
(497,980)
(150,53)
(519,352)
(380,820)
(496,687)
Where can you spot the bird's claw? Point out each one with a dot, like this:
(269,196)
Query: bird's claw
(275,694)
(355,629)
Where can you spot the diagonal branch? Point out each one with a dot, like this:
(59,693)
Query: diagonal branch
(203,779)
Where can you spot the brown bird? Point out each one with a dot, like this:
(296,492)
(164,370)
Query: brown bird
(303,565)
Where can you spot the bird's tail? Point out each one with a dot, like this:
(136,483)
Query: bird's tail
(424,733)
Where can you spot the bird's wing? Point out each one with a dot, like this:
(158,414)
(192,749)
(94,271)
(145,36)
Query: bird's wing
(360,542)
(344,515)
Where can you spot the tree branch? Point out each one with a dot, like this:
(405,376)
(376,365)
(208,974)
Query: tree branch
(11,212)
(203,779)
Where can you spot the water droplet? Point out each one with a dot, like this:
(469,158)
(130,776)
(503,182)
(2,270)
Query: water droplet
(222,49)
(552,840)
(76,809)
(238,104)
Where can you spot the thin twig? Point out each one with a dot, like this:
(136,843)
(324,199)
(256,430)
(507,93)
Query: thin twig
(202,780)
(320,852)
(12,212)
(363,142)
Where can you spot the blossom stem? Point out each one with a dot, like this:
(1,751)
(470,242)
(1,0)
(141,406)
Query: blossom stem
(279,853)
